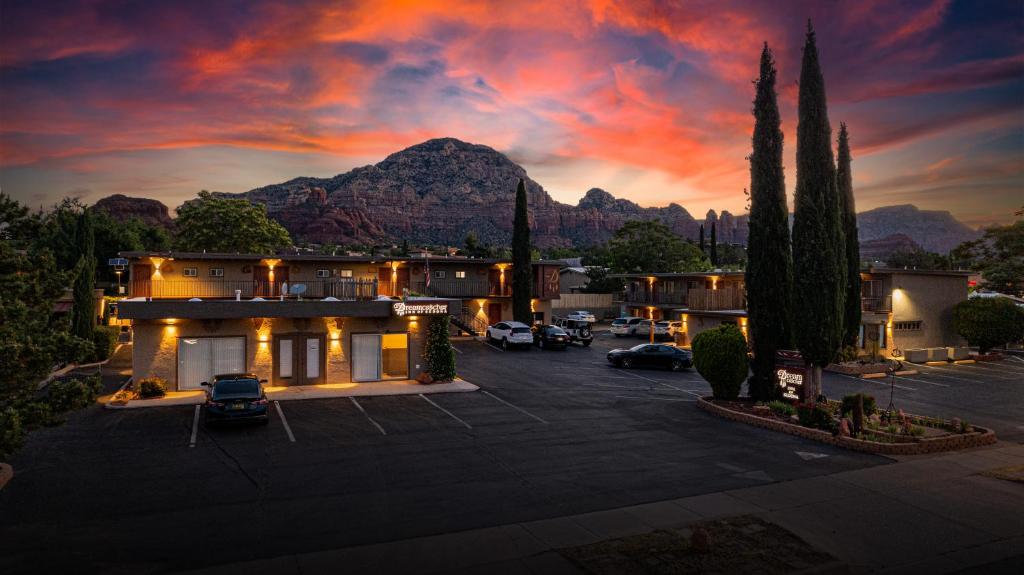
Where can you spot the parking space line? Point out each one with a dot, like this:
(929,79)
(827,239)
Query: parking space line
(1020,359)
(657,398)
(515,407)
(372,420)
(923,380)
(985,370)
(875,381)
(287,428)
(457,350)
(195,428)
(450,414)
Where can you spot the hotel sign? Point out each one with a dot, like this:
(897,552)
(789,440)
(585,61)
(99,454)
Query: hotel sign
(790,374)
(402,308)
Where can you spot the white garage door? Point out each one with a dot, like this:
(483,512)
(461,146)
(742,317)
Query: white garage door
(201,358)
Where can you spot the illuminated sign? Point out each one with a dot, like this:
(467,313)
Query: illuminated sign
(403,308)
(790,374)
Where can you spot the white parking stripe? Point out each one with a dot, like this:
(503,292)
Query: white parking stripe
(1018,358)
(457,350)
(450,414)
(374,422)
(280,414)
(515,407)
(657,398)
(982,371)
(922,380)
(195,428)
(879,381)
(952,377)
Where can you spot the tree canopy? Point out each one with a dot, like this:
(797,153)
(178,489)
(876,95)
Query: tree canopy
(230,225)
(649,246)
(522,270)
(999,256)
(988,322)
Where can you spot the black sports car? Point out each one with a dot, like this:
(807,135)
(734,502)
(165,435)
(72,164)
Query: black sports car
(652,355)
(550,337)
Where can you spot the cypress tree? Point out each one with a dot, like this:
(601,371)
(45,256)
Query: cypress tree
(83,309)
(714,243)
(522,273)
(844,186)
(701,241)
(819,268)
(438,352)
(769,277)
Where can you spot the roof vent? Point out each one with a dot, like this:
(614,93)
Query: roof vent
(195,299)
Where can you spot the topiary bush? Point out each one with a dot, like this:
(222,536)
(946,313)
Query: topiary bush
(815,415)
(988,322)
(720,356)
(104,341)
(12,434)
(151,387)
(849,401)
(438,352)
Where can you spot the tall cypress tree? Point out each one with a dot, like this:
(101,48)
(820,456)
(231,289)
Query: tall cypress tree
(769,277)
(522,274)
(714,243)
(83,310)
(819,268)
(701,241)
(844,186)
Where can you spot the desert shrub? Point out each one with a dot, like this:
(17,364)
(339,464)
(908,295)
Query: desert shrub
(104,341)
(68,394)
(12,434)
(817,416)
(989,322)
(850,400)
(152,387)
(781,408)
(73,349)
(720,356)
(36,413)
(849,353)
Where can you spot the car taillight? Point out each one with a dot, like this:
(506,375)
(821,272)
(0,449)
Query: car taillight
(260,402)
(216,404)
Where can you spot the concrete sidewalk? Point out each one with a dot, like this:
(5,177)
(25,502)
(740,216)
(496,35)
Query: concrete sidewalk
(929,514)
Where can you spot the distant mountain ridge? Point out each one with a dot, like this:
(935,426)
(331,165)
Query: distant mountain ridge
(438,191)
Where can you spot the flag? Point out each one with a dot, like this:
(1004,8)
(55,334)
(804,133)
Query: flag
(426,270)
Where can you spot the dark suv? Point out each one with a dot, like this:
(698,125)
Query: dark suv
(579,331)
(235,397)
(550,337)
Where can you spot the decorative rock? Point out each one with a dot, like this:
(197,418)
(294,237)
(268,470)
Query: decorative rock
(844,427)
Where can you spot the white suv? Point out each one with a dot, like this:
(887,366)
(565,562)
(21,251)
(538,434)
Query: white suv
(510,333)
(582,315)
(667,328)
(625,326)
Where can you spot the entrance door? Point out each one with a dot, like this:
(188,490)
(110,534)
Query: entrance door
(262,284)
(142,280)
(299,359)
(493,313)
(366,357)
(201,358)
(403,280)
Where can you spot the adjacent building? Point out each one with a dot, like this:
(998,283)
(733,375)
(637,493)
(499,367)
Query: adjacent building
(307,319)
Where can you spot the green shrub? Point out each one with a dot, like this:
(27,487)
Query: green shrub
(69,394)
(104,341)
(11,432)
(781,408)
(438,353)
(817,416)
(720,356)
(849,353)
(152,387)
(73,349)
(988,322)
(36,413)
(850,400)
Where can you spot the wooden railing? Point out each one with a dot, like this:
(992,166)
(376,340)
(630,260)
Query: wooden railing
(715,299)
(340,288)
(646,297)
(461,287)
(876,304)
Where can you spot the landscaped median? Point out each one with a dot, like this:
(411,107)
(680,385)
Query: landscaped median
(899,434)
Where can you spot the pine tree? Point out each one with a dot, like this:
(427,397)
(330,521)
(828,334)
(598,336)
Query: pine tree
(844,186)
(819,268)
(769,277)
(522,273)
(714,244)
(700,243)
(438,353)
(83,311)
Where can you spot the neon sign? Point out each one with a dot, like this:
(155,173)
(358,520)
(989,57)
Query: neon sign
(401,308)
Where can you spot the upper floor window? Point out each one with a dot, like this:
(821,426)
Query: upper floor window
(345,273)
(439,274)
(216,272)
(190,272)
(323,273)
(460,275)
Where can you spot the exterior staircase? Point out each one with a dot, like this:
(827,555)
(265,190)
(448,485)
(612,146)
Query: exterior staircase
(469,323)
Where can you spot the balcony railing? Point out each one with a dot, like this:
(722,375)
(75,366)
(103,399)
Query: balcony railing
(340,288)
(715,299)
(646,297)
(881,304)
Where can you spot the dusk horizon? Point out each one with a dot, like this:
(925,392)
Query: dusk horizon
(650,103)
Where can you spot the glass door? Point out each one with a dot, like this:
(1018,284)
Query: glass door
(366,355)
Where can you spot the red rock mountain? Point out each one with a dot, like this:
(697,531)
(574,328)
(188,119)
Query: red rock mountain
(123,208)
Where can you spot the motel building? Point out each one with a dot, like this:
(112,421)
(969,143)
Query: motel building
(302,320)
(900,308)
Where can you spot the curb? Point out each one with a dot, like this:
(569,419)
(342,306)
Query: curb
(110,404)
(6,474)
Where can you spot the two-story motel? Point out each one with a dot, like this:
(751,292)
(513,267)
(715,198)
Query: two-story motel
(307,319)
(901,308)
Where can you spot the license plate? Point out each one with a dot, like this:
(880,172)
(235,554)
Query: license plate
(237,406)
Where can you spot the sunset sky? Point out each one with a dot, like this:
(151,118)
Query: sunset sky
(649,101)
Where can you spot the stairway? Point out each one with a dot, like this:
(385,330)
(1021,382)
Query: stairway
(469,323)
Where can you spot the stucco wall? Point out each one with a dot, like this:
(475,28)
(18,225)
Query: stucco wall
(930,300)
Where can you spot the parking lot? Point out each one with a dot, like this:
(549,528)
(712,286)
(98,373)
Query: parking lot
(550,433)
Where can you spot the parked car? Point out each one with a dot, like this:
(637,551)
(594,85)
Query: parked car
(643,328)
(550,337)
(582,315)
(578,330)
(510,333)
(235,397)
(652,355)
(667,329)
(624,326)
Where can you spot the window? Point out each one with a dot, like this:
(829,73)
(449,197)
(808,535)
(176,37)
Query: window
(906,326)
(460,275)
(345,273)
(216,272)
(323,273)
(439,274)
(190,272)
